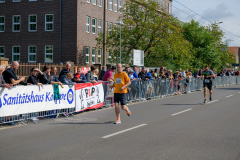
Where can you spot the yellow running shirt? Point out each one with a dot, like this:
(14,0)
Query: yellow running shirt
(120,79)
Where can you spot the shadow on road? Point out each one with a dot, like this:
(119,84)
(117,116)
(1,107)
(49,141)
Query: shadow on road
(183,104)
(110,122)
(229,89)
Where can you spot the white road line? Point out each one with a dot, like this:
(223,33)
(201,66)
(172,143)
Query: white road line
(181,112)
(238,92)
(212,101)
(228,96)
(129,129)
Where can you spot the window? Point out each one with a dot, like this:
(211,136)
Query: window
(110,5)
(2,1)
(106,26)
(16,23)
(100,3)
(115,5)
(164,5)
(93,55)
(48,53)
(99,55)
(99,26)
(94,2)
(120,6)
(16,53)
(1,51)
(49,22)
(169,8)
(32,51)
(32,23)
(88,1)
(93,25)
(32,0)
(87,54)
(109,59)
(87,24)
(106,4)
(16,0)
(110,28)
(2,23)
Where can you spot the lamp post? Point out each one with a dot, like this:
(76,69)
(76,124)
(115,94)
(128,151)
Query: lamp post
(104,34)
(120,23)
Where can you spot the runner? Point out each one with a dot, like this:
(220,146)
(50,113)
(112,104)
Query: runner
(121,82)
(207,82)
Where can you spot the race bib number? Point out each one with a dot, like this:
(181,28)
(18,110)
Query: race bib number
(118,80)
(207,81)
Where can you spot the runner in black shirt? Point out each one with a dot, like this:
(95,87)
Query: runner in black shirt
(207,82)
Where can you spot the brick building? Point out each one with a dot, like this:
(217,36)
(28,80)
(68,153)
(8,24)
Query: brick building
(236,51)
(52,31)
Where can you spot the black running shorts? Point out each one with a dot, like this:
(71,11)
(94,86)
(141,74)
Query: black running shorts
(120,97)
(208,85)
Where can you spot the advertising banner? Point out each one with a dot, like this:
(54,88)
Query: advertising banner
(89,96)
(33,98)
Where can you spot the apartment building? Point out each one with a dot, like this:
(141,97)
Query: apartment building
(53,31)
(236,51)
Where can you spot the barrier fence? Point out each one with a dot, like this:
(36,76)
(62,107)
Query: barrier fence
(31,103)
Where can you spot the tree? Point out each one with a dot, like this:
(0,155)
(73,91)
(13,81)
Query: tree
(149,29)
(208,45)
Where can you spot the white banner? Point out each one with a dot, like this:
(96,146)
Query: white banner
(33,98)
(89,96)
(138,57)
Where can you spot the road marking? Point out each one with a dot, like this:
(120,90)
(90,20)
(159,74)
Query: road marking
(228,96)
(129,129)
(181,112)
(238,92)
(212,101)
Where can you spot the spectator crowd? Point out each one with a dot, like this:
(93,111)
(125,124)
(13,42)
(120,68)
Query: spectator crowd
(48,75)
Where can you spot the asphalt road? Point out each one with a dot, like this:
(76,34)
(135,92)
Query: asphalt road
(175,128)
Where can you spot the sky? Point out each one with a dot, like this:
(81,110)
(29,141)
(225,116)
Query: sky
(224,11)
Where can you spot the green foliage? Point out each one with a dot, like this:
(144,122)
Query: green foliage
(164,40)
(208,45)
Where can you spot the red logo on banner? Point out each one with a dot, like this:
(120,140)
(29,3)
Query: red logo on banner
(89,93)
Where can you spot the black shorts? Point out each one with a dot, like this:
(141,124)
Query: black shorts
(120,97)
(208,85)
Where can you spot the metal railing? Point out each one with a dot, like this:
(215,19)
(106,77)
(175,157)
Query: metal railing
(138,91)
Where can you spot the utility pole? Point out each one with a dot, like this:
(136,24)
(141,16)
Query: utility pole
(104,35)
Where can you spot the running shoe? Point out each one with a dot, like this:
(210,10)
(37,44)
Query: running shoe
(210,98)
(129,112)
(205,101)
(118,121)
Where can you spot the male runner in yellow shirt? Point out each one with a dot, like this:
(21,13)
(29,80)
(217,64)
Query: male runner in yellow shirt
(121,82)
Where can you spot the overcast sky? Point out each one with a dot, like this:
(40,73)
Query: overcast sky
(224,11)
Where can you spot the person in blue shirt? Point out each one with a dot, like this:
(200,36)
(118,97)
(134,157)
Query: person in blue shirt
(54,79)
(67,79)
(66,70)
(150,75)
(195,75)
(135,76)
(79,77)
(135,88)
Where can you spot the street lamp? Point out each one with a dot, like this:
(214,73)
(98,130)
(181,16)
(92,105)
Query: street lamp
(120,23)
